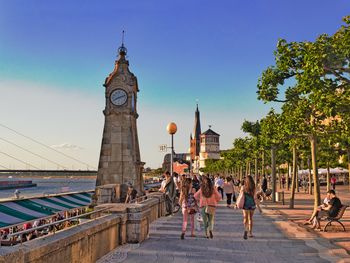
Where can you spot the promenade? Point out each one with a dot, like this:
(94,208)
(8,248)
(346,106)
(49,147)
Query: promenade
(302,211)
(275,240)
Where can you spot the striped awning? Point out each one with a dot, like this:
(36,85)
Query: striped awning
(17,211)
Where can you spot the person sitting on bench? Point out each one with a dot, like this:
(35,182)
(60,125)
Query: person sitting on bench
(319,209)
(331,210)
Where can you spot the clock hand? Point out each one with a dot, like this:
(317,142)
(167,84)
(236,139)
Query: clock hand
(117,98)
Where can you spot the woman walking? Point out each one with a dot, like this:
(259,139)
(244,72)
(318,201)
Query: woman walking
(250,203)
(188,204)
(208,198)
(229,190)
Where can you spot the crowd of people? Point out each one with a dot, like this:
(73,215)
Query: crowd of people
(8,236)
(199,195)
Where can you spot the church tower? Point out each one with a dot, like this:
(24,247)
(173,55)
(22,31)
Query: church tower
(119,161)
(195,141)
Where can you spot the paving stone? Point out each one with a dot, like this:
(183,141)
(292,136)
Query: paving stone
(269,244)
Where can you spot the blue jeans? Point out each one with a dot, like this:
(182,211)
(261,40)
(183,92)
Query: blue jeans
(208,221)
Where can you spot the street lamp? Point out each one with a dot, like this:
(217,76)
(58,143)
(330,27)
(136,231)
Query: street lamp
(172,129)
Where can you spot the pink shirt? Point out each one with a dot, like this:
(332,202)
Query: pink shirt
(211,201)
(228,188)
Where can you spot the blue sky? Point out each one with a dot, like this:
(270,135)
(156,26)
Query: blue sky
(58,54)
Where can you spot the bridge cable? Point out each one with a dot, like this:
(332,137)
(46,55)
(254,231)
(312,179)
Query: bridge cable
(42,157)
(20,160)
(4,167)
(42,144)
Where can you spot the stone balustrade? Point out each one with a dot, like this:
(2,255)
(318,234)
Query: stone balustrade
(87,242)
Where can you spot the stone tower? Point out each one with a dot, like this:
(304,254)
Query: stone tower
(210,147)
(120,155)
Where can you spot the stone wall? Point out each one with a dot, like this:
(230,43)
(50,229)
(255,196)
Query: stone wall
(83,243)
(87,242)
(138,216)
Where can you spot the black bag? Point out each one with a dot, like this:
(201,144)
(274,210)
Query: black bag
(234,199)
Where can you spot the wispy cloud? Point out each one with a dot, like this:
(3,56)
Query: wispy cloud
(67,146)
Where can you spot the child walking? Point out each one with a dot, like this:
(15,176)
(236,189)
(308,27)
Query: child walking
(188,204)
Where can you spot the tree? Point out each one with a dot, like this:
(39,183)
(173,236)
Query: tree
(272,135)
(254,130)
(320,71)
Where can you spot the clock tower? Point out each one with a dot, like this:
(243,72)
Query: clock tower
(119,161)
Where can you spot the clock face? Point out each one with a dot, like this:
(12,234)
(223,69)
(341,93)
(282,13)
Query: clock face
(119,97)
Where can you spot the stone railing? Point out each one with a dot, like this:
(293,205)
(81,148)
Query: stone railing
(87,242)
(138,216)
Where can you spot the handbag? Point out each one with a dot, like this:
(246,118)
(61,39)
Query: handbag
(192,211)
(197,221)
(234,199)
(240,200)
(210,210)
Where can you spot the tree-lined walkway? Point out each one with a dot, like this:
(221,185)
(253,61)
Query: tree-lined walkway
(268,245)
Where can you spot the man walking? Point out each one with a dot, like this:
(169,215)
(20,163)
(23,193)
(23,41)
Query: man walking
(169,188)
(219,183)
(264,184)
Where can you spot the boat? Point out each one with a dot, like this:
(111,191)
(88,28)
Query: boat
(16,184)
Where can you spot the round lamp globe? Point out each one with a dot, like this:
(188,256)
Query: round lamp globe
(171,128)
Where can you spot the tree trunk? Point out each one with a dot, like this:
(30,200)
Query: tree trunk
(317,194)
(348,150)
(279,176)
(241,172)
(287,176)
(273,173)
(328,178)
(256,170)
(297,178)
(303,177)
(263,163)
(310,178)
(294,177)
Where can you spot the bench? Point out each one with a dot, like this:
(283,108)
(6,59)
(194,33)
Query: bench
(336,219)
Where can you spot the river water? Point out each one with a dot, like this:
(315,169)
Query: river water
(50,185)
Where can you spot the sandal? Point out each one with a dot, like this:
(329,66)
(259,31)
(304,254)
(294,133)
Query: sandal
(245,235)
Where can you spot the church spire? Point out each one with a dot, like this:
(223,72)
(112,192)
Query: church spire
(197,124)
(196,133)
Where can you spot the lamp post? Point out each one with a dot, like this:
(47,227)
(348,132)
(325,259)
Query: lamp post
(172,129)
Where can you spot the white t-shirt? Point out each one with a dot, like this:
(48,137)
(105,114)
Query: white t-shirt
(176,181)
(326,201)
(219,182)
(162,185)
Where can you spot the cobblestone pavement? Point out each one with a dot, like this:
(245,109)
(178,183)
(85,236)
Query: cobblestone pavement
(269,244)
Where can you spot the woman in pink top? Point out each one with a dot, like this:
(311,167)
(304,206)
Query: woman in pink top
(229,190)
(208,198)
